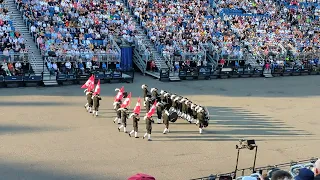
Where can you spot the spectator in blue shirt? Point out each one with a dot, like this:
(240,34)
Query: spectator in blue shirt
(104,66)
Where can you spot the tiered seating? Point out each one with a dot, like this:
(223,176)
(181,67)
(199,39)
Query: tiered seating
(175,26)
(77,30)
(12,47)
(265,29)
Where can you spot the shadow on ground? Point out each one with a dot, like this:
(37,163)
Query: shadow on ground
(232,124)
(297,86)
(40,103)
(18,171)
(9,129)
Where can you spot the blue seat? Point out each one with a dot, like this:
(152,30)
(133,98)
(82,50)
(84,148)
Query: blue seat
(47,35)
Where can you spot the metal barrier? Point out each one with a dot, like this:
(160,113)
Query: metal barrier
(104,76)
(15,57)
(207,72)
(101,57)
(23,80)
(292,167)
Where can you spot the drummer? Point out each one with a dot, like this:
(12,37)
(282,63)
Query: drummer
(165,117)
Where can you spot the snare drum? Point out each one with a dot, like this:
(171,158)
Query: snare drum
(173,116)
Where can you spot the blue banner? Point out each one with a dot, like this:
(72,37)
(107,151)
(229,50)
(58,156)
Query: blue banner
(108,76)
(99,76)
(126,58)
(116,75)
(61,77)
(13,78)
(71,77)
(32,78)
(83,77)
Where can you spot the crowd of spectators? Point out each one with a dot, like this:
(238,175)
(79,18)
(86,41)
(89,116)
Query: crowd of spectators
(13,51)
(174,26)
(77,30)
(14,68)
(79,67)
(246,6)
(263,28)
(12,44)
(303,172)
(70,30)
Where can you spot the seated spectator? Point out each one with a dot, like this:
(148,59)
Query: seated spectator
(68,66)
(18,66)
(81,67)
(11,68)
(6,69)
(104,66)
(88,65)
(55,67)
(316,170)
(281,175)
(305,174)
(50,68)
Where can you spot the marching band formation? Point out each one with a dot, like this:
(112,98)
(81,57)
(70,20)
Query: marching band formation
(167,107)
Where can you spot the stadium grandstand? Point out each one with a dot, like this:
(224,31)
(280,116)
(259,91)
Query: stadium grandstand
(78,37)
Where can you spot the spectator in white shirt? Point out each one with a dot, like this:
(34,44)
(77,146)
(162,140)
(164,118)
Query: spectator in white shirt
(6,54)
(18,66)
(89,65)
(33,29)
(68,66)
(55,67)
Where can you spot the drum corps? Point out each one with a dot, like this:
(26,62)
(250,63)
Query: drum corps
(167,107)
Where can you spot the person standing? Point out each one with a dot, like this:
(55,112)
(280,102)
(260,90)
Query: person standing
(154,93)
(149,122)
(162,96)
(316,170)
(135,120)
(117,106)
(145,91)
(147,104)
(165,117)
(96,103)
(159,112)
(89,101)
(124,116)
(201,118)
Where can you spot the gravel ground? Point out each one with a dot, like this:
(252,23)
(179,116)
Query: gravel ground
(45,133)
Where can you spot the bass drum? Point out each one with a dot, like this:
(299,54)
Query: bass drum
(173,116)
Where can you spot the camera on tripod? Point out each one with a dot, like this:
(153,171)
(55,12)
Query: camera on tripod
(246,144)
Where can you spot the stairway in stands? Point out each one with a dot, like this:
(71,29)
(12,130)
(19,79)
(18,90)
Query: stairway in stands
(252,60)
(35,58)
(156,56)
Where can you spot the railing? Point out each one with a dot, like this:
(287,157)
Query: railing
(110,41)
(143,56)
(193,56)
(103,57)
(289,166)
(304,56)
(15,57)
(114,45)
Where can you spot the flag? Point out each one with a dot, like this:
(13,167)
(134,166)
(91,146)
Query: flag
(97,89)
(91,86)
(126,102)
(89,83)
(152,109)
(119,95)
(137,108)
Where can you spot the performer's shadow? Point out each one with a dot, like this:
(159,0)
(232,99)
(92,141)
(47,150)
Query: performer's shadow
(228,123)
